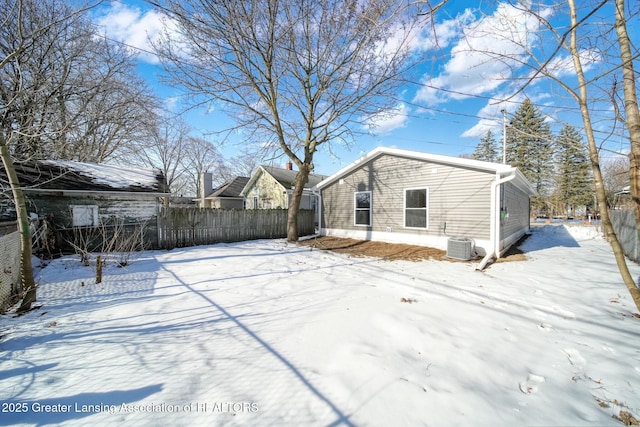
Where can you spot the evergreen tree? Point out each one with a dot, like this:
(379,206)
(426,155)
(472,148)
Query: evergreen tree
(487,149)
(574,177)
(530,149)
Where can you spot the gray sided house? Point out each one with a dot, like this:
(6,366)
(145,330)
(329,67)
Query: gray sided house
(402,196)
(74,195)
(272,188)
(227,196)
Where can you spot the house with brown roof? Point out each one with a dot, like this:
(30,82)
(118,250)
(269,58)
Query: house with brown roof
(227,196)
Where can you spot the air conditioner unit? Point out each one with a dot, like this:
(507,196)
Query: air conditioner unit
(460,248)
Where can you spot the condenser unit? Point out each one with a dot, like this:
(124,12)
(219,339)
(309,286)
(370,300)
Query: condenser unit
(460,248)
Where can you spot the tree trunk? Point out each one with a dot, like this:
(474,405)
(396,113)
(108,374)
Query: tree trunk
(595,165)
(28,288)
(632,122)
(98,269)
(294,205)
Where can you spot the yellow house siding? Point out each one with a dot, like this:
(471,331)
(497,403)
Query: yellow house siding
(269,193)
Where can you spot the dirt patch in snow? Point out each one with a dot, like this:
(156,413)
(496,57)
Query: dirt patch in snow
(386,251)
(393,251)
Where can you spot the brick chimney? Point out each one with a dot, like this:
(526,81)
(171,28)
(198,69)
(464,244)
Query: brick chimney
(289,165)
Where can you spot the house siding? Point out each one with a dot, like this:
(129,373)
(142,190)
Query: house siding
(129,209)
(227,203)
(307,200)
(269,192)
(515,221)
(458,204)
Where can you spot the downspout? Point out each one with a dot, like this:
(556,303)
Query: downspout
(495,220)
(318,194)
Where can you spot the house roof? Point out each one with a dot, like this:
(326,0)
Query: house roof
(231,188)
(285,177)
(79,176)
(497,168)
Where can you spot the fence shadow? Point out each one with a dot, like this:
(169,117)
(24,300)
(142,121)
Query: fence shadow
(554,236)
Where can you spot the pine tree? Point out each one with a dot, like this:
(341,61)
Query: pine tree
(487,149)
(530,149)
(574,177)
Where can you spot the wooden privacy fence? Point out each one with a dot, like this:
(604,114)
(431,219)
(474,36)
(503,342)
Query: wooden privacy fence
(624,224)
(181,227)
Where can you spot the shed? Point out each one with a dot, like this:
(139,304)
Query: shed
(75,195)
(403,196)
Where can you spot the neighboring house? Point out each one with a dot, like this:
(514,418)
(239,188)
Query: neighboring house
(272,188)
(85,195)
(439,201)
(182,202)
(227,196)
(622,199)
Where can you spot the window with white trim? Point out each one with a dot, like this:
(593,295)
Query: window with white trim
(416,208)
(84,215)
(362,204)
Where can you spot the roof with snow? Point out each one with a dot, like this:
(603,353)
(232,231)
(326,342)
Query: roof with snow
(79,176)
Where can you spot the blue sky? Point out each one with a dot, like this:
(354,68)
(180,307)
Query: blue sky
(454,99)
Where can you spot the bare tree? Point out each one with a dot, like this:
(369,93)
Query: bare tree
(293,74)
(246,163)
(581,96)
(631,121)
(202,156)
(564,42)
(99,104)
(73,94)
(582,46)
(164,147)
(64,93)
(19,34)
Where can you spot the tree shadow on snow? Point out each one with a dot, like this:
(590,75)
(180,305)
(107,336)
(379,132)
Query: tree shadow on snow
(340,417)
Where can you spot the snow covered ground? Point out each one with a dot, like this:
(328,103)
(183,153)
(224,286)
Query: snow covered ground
(269,333)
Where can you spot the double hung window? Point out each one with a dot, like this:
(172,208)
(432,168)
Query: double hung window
(416,208)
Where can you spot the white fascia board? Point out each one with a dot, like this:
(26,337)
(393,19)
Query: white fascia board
(427,157)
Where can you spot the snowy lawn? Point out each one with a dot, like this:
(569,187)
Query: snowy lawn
(269,333)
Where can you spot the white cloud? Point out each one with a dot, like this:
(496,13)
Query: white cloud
(562,65)
(481,128)
(487,54)
(492,116)
(133,26)
(386,121)
(491,120)
(427,35)
(171,103)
